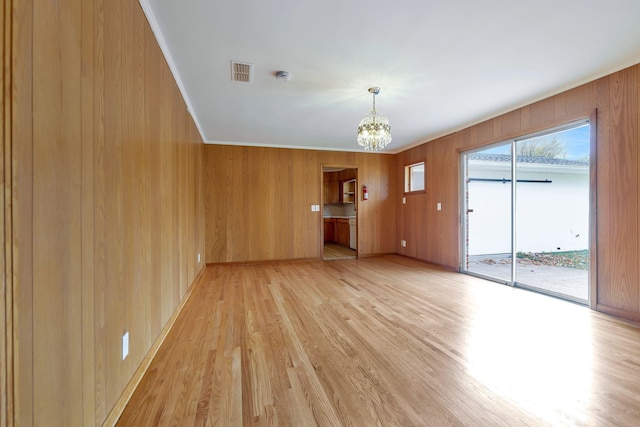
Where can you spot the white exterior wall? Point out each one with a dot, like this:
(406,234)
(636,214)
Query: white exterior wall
(549,216)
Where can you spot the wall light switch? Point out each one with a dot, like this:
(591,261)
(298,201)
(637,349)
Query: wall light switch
(198,257)
(439,206)
(404,200)
(125,345)
(403,243)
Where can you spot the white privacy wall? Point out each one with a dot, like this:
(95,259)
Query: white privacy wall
(550,217)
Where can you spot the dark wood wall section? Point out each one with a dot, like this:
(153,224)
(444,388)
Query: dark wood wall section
(434,236)
(258,202)
(107,196)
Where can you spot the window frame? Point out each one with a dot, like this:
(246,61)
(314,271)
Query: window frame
(407,178)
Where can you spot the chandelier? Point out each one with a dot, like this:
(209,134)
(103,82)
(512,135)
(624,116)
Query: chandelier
(374,132)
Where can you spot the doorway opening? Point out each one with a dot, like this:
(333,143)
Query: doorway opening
(526,212)
(339,212)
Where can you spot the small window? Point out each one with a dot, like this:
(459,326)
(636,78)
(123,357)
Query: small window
(414,177)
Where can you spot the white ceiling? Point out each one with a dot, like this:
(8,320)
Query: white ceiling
(442,65)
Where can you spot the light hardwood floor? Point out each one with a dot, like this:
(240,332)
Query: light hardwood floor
(335,251)
(385,341)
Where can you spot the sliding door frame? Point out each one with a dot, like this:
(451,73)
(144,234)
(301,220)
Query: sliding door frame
(464,213)
(592,240)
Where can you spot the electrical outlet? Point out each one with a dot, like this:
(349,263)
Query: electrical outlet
(125,345)
(404,200)
(439,206)
(403,243)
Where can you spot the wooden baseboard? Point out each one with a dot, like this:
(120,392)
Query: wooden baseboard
(442,266)
(375,255)
(261,262)
(121,403)
(624,315)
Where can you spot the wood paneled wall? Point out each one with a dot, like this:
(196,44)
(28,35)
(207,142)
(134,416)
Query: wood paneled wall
(258,202)
(107,201)
(434,235)
(6,298)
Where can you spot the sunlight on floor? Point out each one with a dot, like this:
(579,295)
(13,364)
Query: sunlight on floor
(543,366)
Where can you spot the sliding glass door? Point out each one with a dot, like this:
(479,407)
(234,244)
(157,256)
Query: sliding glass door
(488,212)
(526,212)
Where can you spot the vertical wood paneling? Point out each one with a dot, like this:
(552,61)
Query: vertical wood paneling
(258,202)
(605,244)
(542,113)
(22,200)
(580,99)
(165,193)
(114,212)
(88,218)
(443,242)
(377,215)
(57,106)
(525,117)
(6,286)
(623,190)
(415,214)
(617,100)
(142,287)
(486,132)
(605,259)
(593,209)
(99,209)
(510,123)
(107,188)
(560,106)
(152,193)
(635,94)
(305,180)
(131,224)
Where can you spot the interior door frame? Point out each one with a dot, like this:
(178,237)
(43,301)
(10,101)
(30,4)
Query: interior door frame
(356,201)
(591,120)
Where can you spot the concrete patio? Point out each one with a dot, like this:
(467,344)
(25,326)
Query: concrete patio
(568,281)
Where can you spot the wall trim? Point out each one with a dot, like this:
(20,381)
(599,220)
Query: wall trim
(130,388)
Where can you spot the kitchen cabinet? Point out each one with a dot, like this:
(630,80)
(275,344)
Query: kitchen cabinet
(339,187)
(342,232)
(336,230)
(329,229)
(331,192)
(348,194)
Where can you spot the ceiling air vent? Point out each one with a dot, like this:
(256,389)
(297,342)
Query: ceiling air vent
(241,72)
